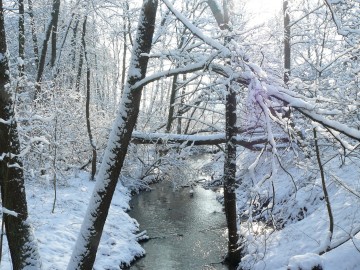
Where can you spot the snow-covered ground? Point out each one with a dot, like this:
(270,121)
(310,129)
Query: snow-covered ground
(302,217)
(57,232)
(297,244)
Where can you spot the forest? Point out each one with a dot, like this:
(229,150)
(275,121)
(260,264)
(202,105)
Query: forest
(100,100)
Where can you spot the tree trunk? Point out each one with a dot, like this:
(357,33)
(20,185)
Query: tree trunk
(84,253)
(172,101)
(180,107)
(254,143)
(55,20)
(54,15)
(234,250)
(21,38)
(234,247)
(22,246)
(81,61)
(174,89)
(33,33)
(60,49)
(287,48)
(74,47)
(87,111)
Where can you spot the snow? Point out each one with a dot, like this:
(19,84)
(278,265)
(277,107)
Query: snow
(9,212)
(304,262)
(168,137)
(171,136)
(298,244)
(20,61)
(56,232)
(2,121)
(310,111)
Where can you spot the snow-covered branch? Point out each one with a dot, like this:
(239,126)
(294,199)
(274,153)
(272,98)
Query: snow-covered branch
(219,69)
(9,212)
(169,73)
(196,31)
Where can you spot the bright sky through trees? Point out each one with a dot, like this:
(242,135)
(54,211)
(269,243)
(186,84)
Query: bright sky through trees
(262,10)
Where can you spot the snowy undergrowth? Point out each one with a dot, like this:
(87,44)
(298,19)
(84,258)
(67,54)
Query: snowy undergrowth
(291,228)
(288,230)
(57,232)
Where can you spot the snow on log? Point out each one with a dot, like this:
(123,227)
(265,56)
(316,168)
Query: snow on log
(255,143)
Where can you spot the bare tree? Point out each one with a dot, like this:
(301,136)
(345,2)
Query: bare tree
(21,241)
(234,246)
(87,109)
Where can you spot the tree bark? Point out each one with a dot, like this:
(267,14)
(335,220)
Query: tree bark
(60,49)
(84,253)
(234,247)
(21,38)
(174,89)
(81,60)
(234,250)
(23,249)
(180,107)
(33,33)
(55,20)
(287,48)
(172,101)
(87,109)
(54,15)
(73,46)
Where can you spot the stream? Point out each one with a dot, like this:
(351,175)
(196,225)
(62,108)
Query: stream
(186,231)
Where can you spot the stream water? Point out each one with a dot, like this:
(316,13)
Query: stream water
(186,231)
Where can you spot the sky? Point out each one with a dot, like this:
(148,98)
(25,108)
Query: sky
(263,9)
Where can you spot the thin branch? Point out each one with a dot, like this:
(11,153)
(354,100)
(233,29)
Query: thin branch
(326,195)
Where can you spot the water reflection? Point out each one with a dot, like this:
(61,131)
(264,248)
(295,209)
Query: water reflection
(186,232)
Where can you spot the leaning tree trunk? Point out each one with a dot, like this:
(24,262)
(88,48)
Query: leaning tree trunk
(84,253)
(41,67)
(55,20)
(22,246)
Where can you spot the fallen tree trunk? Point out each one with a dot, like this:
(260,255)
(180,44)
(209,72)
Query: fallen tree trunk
(253,143)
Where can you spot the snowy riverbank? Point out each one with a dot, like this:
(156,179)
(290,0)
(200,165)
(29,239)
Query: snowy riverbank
(291,246)
(56,232)
(301,216)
